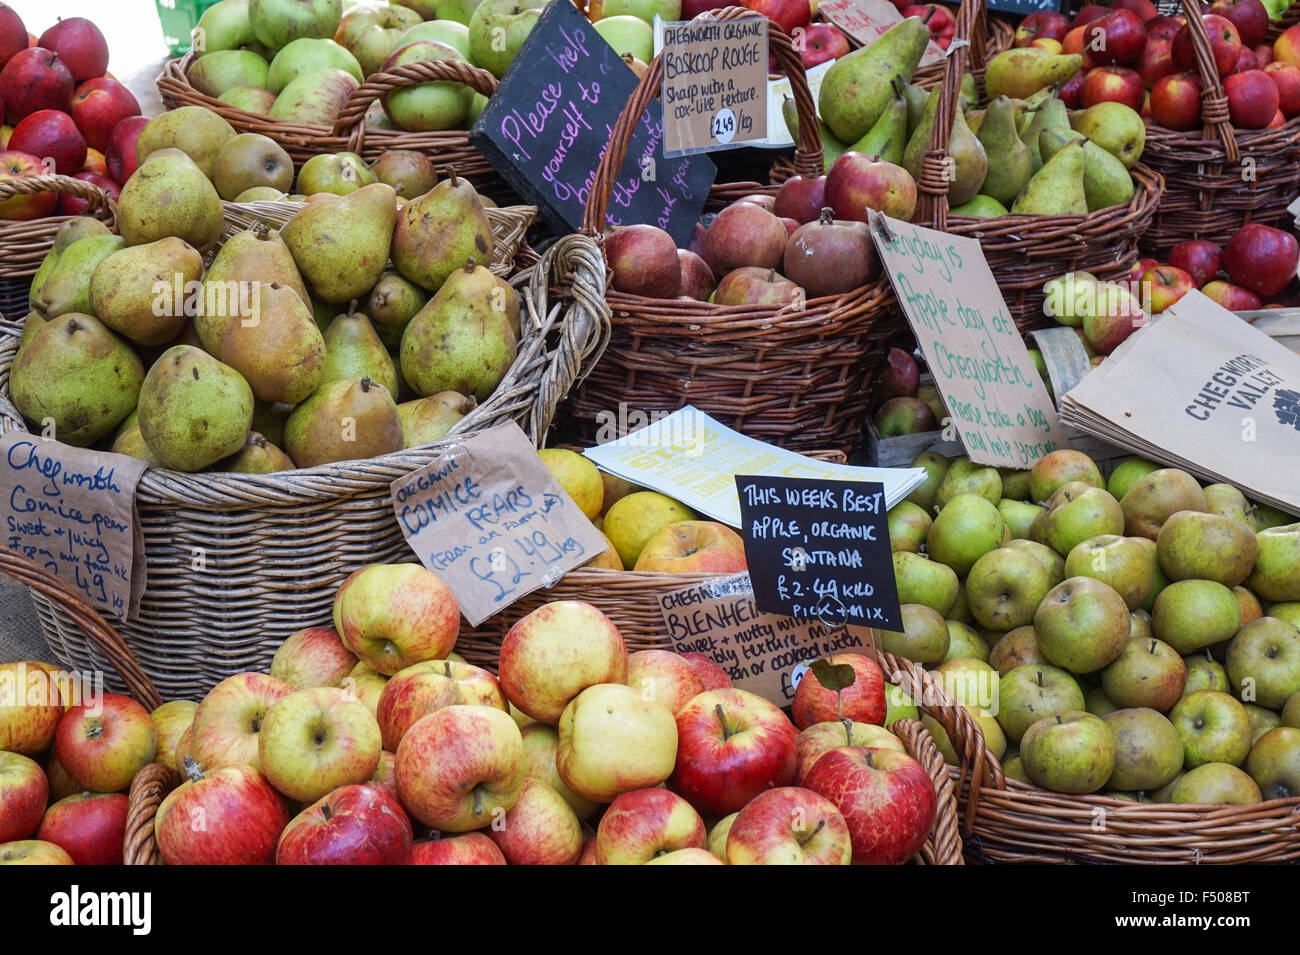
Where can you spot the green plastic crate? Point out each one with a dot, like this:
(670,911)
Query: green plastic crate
(178,19)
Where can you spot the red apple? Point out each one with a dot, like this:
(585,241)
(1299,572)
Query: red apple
(940,21)
(95,162)
(1163,286)
(646,823)
(1225,45)
(1112,84)
(1245,62)
(858,183)
(70,205)
(643,261)
(23,791)
(1075,40)
(1287,46)
(664,676)
(1261,258)
(104,745)
(314,656)
(800,198)
(789,826)
(697,279)
(712,676)
(30,705)
(470,848)
(425,687)
(1087,14)
(1199,258)
(1176,101)
(788,14)
(1145,9)
(1156,61)
(821,42)
(1139,267)
(51,133)
(731,745)
(1277,122)
(886,798)
(98,105)
(1263,55)
(1286,77)
(862,702)
(693,8)
(82,47)
(1114,39)
(34,79)
(745,235)
(61,782)
(1232,297)
(903,415)
(13,35)
(385,775)
(902,376)
(90,827)
(539,829)
(229,719)
(1163,28)
(1042,23)
(242,818)
(1248,16)
(693,547)
(119,154)
(353,825)
(1072,92)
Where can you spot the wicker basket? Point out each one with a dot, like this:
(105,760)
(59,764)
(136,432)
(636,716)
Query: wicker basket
(797,377)
(23,244)
(1220,178)
(1024,252)
(301,141)
(275,547)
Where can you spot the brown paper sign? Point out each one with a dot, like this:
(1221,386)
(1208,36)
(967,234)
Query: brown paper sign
(715,84)
(72,511)
(488,518)
(868,20)
(764,653)
(1200,389)
(1000,409)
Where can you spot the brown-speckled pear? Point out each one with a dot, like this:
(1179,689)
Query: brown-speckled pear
(66,287)
(75,229)
(425,420)
(278,349)
(140,291)
(345,420)
(77,374)
(246,259)
(194,410)
(194,130)
(437,232)
(353,350)
(462,339)
(341,246)
(131,443)
(32,324)
(169,195)
(257,456)
(393,302)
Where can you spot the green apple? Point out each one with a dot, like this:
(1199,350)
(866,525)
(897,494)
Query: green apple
(223,26)
(1068,299)
(1204,673)
(972,683)
(1191,614)
(252,99)
(1029,693)
(277,23)
(336,173)
(960,609)
(224,70)
(908,525)
(967,528)
(1194,544)
(899,705)
(313,741)
(1128,471)
(371,31)
(1082,625)
(1098,703)
(1121,562)
(497,29)
(1015,484)
(1214,726)
(923,581)
(1262,720)
(1148,749)
(1275,576)
(308,55)
(935,466)
(923,639)
(1165,793)
(1005,587)
(1288,611)
(427,106)
(1227,501)
(1016,649)
(1049,558)
(612,741)
(963,477)
(1264,662)
(1158,579)
(1014,768)
(1154,497)
(450,32)
(1147,673)
(1059,468)
(1019,516)
(1071,752)
(1216,784)
(628,35)
(642,9)
(1291,711)
(1076,512)
(1274,763)
(965,644)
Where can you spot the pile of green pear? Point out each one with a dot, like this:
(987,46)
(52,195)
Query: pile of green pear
(1134,636)
(301,60)
(1024,153)
(195,346)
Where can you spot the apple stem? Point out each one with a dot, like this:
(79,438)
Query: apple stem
(870,760)
(821,824)
(478,801)
(726,733)
(1153,645)
(1058,719)
(469,264)
(1040,678)
(326,812)
(848,730)
(826,216)
(192,769)
(262,231)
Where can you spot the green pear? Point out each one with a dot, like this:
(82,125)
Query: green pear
(194,130)
(341,246)
(257,456)
(131,443)
(246,260)
(392,304)
(66,287)
(354,350)
(1049,114)
(970,164)
(887,138)
(1116,128)
(170,195)
(140,291)
(344,420)
(426,420)
(269,418)
(917,97)
(1057,188)
(437,232)
(78,376)
(32,324)
(279,350)
(1010,162)
(77,228)
(858,87)
(1022,71)
(194,410)
(1105,180)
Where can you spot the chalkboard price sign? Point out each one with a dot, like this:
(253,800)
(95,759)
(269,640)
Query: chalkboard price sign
(819,550)
(1025,7)
(550,119)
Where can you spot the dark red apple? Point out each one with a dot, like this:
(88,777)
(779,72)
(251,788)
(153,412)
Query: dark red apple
(13,35)
(1277,122)
(1263,55)
(1116,39)
(1163,28)
(697,279)
(1225,45)
(1145,9)
(1245,62)
(901,378)
(788,14)
(1157,61)
(1087,14)
(745,234)
(1261,258)
(1286,77)
(939,19)
(51,133)
(90,827)
(98,105)
(82,47)
(1051,24)
(800,198)
(1199,258)
(1176,101)
(1112,84)
(1248,16)
(643,261)
(791,226)
(75,205)
(353,825)
(903,415)
(243,818)
(120,154)
(13,165)
(35,78)
(1252,99)
(821,42)
(830,258)
(1072,92)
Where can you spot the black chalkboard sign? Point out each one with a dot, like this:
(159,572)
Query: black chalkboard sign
(819,550)
(1026,7)
(550,119)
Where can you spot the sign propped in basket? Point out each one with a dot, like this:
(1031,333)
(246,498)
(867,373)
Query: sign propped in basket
(868,20)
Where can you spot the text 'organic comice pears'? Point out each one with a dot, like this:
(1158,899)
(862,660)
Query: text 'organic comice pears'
(341,245)
(857,89)
(194,410)
(438,231)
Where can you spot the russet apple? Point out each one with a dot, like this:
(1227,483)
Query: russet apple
(1193,544)
(1031,692)
(1005,587)
(1216,784)
(425,687)
(1071,752)
(921,580)
(1148,750)
(104,745)
(612,740)
(394,615)
(1058,468)
(646,823)
(908,526)
(1214,727)
(23,791)
(1016,648)
(229,719)
(789,826)
(314,656)
(313,741)
(1274,575)
(231,816)
(1264,656)
(539,829)
(1147,673)
(863,701)
(1120,562)
(1274,763)
(1150,501)
(967,528)
(1191,614)
(924,638)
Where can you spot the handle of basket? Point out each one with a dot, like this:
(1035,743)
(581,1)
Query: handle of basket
(972,24)
(103,637)
(101,204)
(351,122)
(148,789)
(584,328)
(1214,104)
(945,836)
(807,153)
(932,185)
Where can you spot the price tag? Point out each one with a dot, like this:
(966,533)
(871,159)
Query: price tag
(72,511)
(488,518)
(715,84)
(868,20)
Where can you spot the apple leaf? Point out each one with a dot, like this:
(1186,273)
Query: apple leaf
(834,676)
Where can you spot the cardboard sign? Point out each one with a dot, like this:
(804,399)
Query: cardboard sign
(549,121)
(868,20)
(488,518)
(693,458)
(819,550)
(714,84)
(778,134)
(763,653)
(1201,390)
(979,361)
(72,511)
(1065,357)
